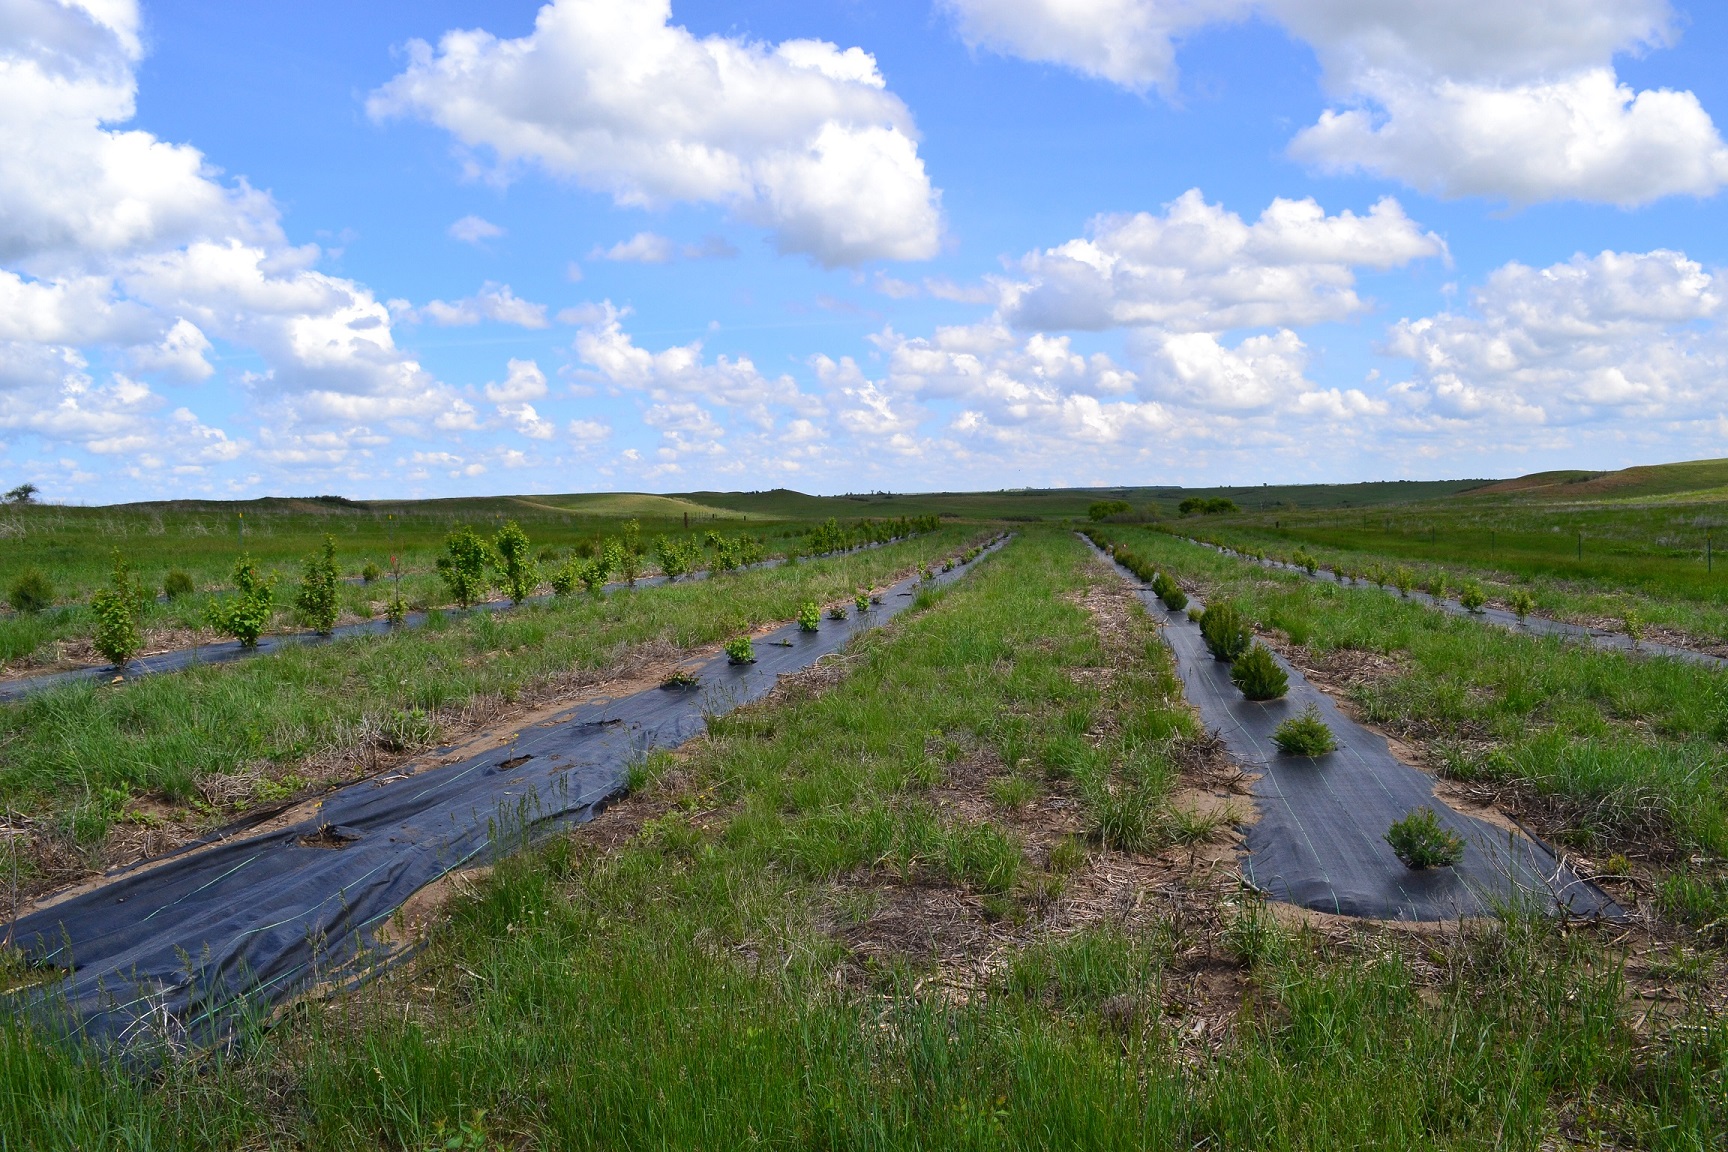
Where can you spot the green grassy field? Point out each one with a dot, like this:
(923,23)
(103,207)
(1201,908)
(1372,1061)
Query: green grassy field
(936,898)
(1587,547)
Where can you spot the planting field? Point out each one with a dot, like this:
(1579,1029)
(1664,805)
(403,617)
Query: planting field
(1590,548)
(998,869)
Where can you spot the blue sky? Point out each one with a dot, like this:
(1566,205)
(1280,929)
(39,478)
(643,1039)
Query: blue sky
(444,248)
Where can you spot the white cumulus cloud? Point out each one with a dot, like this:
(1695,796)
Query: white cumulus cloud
(1514,102)
(801,137)
(1199,267)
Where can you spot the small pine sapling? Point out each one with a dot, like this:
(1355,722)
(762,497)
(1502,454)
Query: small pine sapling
(739,650)
(1403,580)
(1224,631)
(1472,596)
(1522,603)
(177,584)
(463,566)
(1422,842)
(1304,735)
(809,617)
(245,615)
(370,573)
(517,572)
(316,601)
(31,592)
(117,609)
(1437,585)
(1258,675)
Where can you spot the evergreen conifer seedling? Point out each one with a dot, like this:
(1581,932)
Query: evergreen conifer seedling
(1258,675)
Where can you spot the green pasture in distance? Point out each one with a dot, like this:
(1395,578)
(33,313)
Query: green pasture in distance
(1021,504)
(1658,530)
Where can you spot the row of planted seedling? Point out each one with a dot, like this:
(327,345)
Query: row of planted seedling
(742,650)
(1418,839)
(471,568)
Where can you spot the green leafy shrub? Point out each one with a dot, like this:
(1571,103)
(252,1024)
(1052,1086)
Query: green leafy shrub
(837,612)
(597,571)
(1305,561)
(1225,631)
(1522,603)
(1196,506)
(177,584)
(1422,842)
(245,615)
(463,566)
(1437,585)
(861,601)
(675,556)
(517,572)
(396,610)
(31,592)
(627,559)
(809,617)
(1102,509)
(1403,580)
(370,573)
(316,600)
(1304,735)
(1258,675)
(1472,596)
(566,577)
(117,609)
(739,650)
(1633,624)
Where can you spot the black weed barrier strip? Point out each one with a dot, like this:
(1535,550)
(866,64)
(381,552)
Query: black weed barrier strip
(1531,625)
(1320,840)
(228,651)
(179,951)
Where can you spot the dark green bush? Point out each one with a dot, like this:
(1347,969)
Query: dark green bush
(1258,675)
(1421,842)
(370,572)
(1102,509)
(1304,735)
(1169,592)
(1225,631)
(177,584)
(31,592)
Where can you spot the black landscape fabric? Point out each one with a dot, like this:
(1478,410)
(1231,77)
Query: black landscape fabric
(176,951)
(1319,842)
